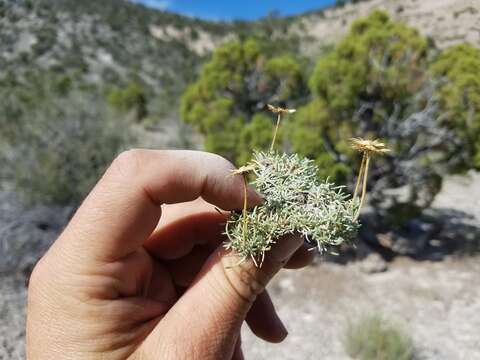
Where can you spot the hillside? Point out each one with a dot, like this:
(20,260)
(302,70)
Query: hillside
(104,43)
(110,42)
(446,22)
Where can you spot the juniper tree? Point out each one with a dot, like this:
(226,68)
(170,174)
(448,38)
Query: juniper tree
(226,103)
(459,97)
(376,83)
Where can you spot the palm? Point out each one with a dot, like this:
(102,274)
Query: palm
(143,286)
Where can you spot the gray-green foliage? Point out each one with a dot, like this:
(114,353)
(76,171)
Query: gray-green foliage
(295,201)
(58,149)
(372,337)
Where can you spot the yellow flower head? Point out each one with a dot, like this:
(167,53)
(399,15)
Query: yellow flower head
(371,147)
(279,110)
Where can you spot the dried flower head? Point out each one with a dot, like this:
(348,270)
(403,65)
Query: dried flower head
(279,110)
(372,147)
(242,170)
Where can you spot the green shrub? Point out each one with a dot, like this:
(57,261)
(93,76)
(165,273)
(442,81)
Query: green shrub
(375,84)
(132,97)
(233,89)
(380,62)
(309,137)
(372,337)
(458,68)
(64,148)
(256,136)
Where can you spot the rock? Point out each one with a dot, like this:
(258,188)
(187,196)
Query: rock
(411,240)
(373,264)
(25,234)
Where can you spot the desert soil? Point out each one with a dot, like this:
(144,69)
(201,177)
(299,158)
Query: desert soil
(438,303)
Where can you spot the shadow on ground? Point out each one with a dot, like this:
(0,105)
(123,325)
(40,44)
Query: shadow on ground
(437,234)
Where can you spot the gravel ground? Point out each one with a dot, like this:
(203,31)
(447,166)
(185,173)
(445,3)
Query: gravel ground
(461,193)
(13,295)
(438,303)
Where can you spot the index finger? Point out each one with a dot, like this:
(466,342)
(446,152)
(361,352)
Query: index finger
(124,207)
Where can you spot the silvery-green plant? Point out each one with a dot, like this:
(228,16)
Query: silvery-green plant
(295,202)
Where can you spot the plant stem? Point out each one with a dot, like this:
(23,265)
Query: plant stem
(364,188)
(360,175)
(279,118)
(245,200)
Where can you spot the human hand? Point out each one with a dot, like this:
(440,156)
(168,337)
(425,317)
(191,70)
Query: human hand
(140,271)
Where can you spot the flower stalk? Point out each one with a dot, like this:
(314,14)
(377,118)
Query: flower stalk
(368,148)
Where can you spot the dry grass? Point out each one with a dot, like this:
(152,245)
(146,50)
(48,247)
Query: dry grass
(372,337)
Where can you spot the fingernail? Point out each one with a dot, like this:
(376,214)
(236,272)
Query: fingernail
(285,247)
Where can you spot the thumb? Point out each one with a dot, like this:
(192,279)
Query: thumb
(208,317)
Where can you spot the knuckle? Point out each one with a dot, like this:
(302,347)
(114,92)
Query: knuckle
(126,161)
(246,280)
(222,162)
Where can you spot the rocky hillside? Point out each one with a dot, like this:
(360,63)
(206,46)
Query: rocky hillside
(447,22)
(110,41)
(103,42)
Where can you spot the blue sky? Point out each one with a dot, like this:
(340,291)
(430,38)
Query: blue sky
(228,10)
